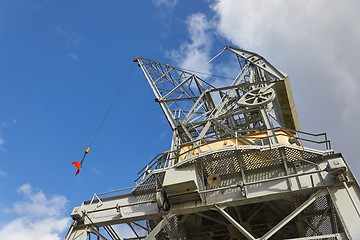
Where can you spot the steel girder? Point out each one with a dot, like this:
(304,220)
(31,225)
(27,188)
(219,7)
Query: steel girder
(249,204)
(199,109)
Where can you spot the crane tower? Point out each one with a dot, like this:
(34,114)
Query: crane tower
(238,167)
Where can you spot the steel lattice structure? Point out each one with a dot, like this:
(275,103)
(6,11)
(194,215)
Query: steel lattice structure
(238,167)
(189,102)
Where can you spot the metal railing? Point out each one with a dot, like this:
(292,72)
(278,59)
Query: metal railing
(318,141)
(161,160)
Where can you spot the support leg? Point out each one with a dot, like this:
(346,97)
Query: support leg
(160,226)
(76,234)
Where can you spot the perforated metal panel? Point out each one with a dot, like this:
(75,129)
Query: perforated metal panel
(320,218)
(261,159)
(149,184)
(293,154)
(222,163)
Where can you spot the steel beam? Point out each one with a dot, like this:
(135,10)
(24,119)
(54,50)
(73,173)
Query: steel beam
(235,223)
(157,94)
(97,233)
(298,210)
(76,233)
(352,199)
(113,232)
(346,208)
(211,219)
(159,227)
(336,236)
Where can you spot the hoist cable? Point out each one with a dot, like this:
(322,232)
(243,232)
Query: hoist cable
(111,105)
(78,165)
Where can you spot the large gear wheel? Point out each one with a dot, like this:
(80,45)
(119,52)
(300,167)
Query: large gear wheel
(257,97)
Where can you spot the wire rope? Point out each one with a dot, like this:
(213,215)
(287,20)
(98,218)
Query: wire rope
(111,105)
(78,165)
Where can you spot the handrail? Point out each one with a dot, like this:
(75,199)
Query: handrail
(300,138)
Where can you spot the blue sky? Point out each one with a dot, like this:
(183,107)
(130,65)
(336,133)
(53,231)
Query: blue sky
(62,62)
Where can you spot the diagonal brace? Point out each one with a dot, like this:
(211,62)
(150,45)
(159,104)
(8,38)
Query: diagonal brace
(160,226)
(294,213)
(235,223)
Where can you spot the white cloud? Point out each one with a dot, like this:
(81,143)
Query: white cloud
(4,125)
(8,124)
(2,143)
(317,43)
(73,56)
(166,3)
(38,204)
(316,40)
(2,173)
(25,228)
(38,217)
(194,53)
(72,39)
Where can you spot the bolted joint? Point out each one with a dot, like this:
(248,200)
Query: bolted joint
(75,223)
(77,214)
(342,177)
(118,209)
(336,166)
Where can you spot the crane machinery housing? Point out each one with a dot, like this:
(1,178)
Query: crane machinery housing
(238,168)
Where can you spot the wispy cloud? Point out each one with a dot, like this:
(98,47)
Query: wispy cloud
(73,56)
(8,123)
(195,52)
(37,216)
(165,9)
(165,3)
(2,143)
(72,41)
(163,135)
(4,125)
(2,173)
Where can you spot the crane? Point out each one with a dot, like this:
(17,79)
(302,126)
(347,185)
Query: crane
(238,166)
